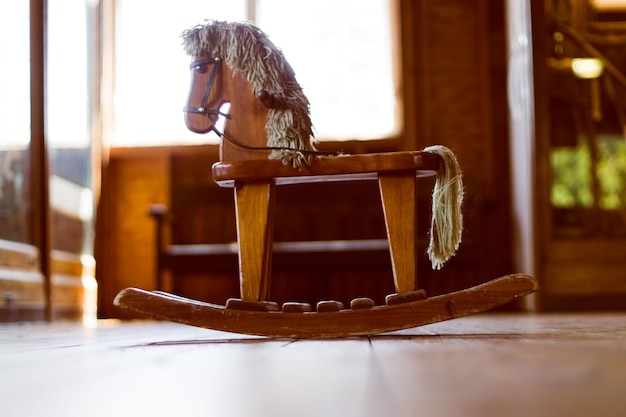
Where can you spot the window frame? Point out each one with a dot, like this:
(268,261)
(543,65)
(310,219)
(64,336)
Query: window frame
(396,140)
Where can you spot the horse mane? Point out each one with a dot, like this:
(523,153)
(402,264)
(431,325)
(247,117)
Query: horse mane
(248,51)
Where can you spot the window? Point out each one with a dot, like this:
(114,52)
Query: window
(14,120)
(46,102)
(585,180)
(70,59)
(342,53)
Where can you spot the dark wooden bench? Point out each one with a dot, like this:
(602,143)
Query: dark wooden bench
(223,256)
(321,236)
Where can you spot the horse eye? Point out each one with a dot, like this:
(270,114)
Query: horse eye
(201,68)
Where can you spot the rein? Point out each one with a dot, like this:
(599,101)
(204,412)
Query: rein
(235,142)
(200,65)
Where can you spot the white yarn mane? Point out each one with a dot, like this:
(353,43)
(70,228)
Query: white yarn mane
(248,51)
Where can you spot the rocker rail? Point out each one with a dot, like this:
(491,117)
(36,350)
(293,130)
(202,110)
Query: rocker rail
(343,323)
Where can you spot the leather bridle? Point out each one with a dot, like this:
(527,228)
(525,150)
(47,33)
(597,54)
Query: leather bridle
(200,65)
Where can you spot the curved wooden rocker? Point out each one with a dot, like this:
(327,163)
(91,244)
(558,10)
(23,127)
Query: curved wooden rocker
(244,90)
(341,323)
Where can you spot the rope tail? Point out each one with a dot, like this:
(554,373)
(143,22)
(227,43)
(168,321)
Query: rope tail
(446,226)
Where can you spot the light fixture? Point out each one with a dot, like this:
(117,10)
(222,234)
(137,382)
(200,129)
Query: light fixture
(587,68)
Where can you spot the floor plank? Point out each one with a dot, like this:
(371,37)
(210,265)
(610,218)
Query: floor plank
(487,365)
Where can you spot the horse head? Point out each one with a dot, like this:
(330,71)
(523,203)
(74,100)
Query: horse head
(241,79)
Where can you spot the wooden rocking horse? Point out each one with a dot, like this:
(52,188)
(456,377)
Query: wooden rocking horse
(243,89)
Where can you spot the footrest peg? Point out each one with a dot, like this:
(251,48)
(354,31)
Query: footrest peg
(295,307)
(361,303)
(327,306)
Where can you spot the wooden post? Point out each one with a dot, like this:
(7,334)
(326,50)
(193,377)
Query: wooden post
(39,150)
(397,191)
(254,206)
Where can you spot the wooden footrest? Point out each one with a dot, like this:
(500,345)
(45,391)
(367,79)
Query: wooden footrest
(405,297)
(251,305)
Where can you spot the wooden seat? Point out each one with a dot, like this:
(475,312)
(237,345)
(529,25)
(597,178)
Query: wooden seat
(328,168)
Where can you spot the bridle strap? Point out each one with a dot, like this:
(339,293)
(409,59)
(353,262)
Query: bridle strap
(205,97)
(235,142)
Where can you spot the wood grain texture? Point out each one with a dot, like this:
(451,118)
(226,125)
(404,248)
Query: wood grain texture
(327,168)
(400,206)
(132,185)
(246,123)
(254,204)
(490,365)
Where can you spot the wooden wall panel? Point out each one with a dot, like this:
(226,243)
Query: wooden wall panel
(461,93)
(125,227)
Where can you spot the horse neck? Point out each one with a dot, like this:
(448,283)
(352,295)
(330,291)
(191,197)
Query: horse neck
(246,124)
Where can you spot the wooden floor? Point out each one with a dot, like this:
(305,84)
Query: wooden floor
(489,365)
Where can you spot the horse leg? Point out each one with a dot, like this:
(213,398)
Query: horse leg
(254,205)
(398,194)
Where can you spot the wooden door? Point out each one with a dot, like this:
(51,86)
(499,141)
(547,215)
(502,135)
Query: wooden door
(580,155)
